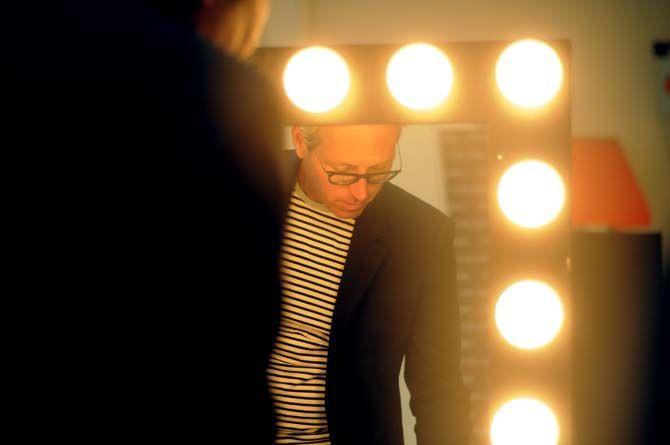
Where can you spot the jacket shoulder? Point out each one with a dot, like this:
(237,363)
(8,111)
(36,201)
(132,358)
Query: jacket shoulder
(405,209)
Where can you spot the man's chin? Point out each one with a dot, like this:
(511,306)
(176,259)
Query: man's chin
(347,214)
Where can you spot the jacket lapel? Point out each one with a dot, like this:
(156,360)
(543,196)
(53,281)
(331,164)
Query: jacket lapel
(366,254)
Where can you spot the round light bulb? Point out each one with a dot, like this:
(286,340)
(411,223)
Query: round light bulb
(419,76)
(529,314)
(316,79)
(524,421)
(531,193)
(529,73)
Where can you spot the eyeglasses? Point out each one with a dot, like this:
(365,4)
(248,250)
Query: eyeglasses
(339,178)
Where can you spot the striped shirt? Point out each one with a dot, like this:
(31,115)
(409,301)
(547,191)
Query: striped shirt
(313,254)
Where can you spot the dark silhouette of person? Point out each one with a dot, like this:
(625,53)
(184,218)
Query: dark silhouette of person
(147,217)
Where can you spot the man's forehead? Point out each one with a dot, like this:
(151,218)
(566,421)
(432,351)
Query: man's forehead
(365,153)
(359,140)
(377,132)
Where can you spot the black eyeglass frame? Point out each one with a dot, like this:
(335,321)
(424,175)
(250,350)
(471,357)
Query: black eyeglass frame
(358,176)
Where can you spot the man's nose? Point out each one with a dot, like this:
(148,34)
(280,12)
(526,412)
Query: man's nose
(360,189)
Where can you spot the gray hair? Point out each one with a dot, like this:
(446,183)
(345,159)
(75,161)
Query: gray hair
(310,135)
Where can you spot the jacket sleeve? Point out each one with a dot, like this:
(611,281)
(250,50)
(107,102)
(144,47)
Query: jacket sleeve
(439,400)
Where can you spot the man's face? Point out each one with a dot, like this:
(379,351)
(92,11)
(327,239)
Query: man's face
(347,149)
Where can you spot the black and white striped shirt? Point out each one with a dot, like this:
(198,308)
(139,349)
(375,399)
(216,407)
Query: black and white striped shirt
(313,254)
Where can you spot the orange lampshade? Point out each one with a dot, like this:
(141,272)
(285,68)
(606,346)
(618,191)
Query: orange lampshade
(604,190)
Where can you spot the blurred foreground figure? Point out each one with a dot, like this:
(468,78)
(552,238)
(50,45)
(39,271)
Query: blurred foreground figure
(155,200)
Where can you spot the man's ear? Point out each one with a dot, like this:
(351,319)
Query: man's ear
(299,143)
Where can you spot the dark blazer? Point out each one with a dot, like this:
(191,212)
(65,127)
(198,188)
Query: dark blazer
(397,299)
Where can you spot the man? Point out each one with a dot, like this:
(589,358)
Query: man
(368,279)
(153,218)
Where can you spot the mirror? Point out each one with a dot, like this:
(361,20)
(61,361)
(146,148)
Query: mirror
(446,165)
